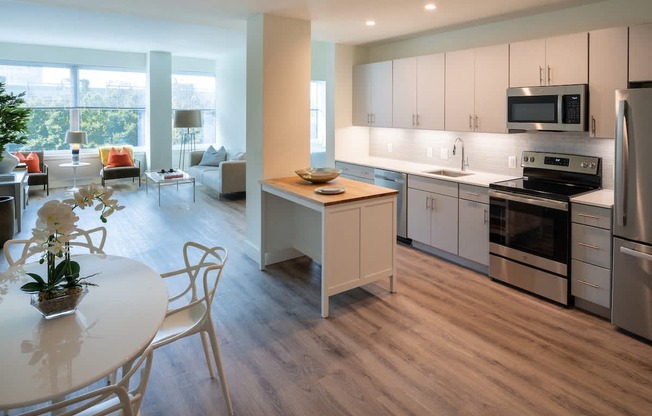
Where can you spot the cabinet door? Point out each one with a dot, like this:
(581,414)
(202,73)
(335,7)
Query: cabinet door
(527,61)
(567,59)
(474,231)
(404,99)
(607,72)
(430,92)
(361,95)
(460,88)
(491,81)
(443,222)
(418,215)
(381,94)
(640,53)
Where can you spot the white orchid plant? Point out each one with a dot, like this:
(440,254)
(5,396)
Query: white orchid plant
(55,227)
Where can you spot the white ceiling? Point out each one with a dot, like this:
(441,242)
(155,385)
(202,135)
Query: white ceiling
(202,27)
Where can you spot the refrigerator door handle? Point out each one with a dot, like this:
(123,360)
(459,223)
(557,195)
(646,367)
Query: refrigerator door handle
(634,253)
(622,163)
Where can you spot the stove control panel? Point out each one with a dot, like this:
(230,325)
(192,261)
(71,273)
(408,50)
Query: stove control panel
(561,162)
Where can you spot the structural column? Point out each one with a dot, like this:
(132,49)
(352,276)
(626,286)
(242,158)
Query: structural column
(278,108)
(159,108)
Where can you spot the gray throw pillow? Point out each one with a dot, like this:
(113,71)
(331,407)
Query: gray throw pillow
(240,156)
(213,157)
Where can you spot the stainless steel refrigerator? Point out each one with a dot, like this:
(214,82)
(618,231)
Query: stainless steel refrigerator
(631,307)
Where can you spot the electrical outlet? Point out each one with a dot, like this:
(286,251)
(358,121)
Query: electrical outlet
(511,162)
(443,153)
(429,152)
(390,147)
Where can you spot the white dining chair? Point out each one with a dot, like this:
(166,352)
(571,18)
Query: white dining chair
(190,308)
(122,398)
(19,251)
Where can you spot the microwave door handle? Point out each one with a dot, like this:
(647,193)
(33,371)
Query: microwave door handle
(622,163)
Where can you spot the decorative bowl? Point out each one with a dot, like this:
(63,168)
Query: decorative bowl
(318,175)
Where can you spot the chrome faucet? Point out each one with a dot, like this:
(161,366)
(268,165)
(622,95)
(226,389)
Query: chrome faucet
(465,162)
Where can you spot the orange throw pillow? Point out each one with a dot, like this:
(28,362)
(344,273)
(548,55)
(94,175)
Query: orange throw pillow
(20,156)
(118,159)
(33,163)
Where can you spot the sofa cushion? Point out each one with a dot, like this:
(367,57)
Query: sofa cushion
(119,158)
(213,157)
(33,163)
(105,150)
(20,156)
(240,156)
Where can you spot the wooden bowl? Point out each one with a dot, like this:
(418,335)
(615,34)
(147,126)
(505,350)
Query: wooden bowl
(318,175)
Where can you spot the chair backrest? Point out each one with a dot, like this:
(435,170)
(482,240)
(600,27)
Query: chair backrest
(207,262)
(19,251)
(105,150)
(126,395)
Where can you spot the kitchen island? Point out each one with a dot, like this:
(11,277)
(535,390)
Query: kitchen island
(351,234)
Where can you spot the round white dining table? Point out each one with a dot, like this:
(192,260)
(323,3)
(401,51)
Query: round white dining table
(43,360)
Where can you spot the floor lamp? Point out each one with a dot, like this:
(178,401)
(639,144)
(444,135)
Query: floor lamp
(186,119)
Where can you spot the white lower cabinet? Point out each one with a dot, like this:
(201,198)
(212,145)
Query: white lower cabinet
(433,212)
(591,256)
(356,172)
(474,224)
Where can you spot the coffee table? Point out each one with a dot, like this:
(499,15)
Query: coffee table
(159,179)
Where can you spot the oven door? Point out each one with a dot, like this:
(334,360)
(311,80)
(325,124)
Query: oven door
(530,230)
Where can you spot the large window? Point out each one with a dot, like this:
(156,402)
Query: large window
(317,116)
(195,92)
(108,104)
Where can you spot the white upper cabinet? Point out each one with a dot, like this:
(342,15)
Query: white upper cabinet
(607,73)
(418,97)
(640,53)
(372,94)
(558,60)
(476,82)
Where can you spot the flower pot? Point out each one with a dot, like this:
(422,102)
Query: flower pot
(60,304)
(8,162)
(7,219)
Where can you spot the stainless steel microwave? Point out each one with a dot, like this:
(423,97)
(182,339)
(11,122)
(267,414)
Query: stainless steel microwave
(553,108)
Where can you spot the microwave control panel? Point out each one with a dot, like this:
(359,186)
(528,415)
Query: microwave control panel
(572,106)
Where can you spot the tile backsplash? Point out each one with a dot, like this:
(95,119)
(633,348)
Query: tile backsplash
(487,152)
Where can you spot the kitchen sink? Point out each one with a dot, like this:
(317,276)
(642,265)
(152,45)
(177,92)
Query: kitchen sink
(449,173)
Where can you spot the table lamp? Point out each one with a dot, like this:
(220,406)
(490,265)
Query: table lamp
(187,119)
(75,139)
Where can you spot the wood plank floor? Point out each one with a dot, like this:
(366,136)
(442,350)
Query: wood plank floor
(448,342)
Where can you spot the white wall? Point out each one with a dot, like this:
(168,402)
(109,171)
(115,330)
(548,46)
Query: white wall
(231,95)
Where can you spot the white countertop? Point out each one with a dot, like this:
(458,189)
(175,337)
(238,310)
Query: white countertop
(601,198)
(413,168)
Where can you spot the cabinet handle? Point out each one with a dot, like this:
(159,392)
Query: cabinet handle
(413,122)
(427,202)
(368,118)
(470,122)
(540,75)
(584,282)
(594,217)
(418,123)
(485,215)
(593,125)
(472,193)
(593,246)
(549,77)
(476,123)
(373,118)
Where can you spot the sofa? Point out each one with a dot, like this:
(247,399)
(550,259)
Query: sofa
(227,178)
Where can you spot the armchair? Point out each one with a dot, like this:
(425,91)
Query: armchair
(40,178)
(118,172)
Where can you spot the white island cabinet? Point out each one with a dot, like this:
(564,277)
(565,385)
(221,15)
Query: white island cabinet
(352,234)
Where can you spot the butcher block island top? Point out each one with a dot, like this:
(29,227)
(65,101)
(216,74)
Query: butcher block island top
(355,191)
(352,235)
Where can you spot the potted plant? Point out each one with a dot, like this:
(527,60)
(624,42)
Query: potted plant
(61,289)
(13,126)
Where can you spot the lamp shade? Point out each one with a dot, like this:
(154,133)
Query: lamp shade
(76,137)
(187,118)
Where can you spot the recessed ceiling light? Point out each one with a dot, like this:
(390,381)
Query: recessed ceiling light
(370,23)
(430,6)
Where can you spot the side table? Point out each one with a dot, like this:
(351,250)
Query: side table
(74,167)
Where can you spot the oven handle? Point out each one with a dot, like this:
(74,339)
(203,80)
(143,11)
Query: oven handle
(532,200)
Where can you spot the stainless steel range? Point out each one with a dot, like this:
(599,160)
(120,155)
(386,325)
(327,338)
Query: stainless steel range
(530,222)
